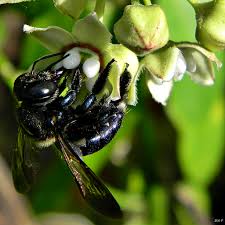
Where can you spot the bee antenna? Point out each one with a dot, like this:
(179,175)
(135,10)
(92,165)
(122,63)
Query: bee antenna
(43,58)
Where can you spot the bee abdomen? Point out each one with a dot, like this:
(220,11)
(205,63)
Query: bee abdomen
(97,133)
(106,133)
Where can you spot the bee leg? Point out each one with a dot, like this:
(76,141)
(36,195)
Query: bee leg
(100,82)
(97,88)
(125,80)
(57,61)
(71,95)
(77,80)
(87,104)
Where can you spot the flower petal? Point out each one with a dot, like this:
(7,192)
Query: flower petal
(72,8)
(210,55)
(122,56)
(90,30)
(199,63)
(180,68)
(160,92)
(204,73)
(53,38)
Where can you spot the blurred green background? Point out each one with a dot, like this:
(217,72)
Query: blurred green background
(166,164)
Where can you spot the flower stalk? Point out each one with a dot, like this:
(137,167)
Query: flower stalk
(100,8)
(133,2)
(147,2)
(193,2)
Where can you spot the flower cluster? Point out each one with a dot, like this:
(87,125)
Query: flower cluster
(143,36)
(89,44)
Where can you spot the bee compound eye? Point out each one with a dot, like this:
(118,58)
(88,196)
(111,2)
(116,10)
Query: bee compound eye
(40,90)
(19,86)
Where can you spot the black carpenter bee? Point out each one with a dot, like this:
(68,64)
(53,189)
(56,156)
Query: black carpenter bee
(46,116)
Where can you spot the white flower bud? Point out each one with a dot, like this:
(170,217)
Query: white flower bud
(73,60)
(91,67)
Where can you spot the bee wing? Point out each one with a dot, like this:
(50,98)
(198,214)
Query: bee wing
(91,188)
(24,166)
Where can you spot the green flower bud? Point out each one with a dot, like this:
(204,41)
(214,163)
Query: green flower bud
(210,30)
(142,28)
(123,57)
(70,7)
(165,64)
(161,68)
(172,62)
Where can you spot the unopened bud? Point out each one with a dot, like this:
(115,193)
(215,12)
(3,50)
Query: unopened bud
(70,7)
(142,28)
(210,30)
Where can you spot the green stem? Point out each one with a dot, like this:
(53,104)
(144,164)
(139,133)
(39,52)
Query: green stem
(133,2)
(199,7)
(193,2)
(147,2)
(100,8)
